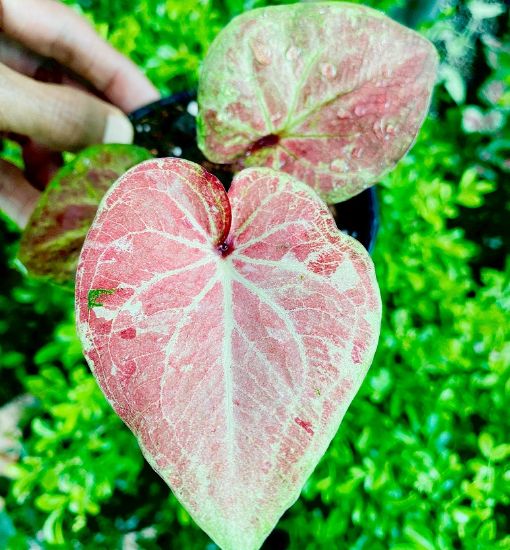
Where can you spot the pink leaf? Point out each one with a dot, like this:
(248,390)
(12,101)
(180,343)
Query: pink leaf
(230,332)
(332,93)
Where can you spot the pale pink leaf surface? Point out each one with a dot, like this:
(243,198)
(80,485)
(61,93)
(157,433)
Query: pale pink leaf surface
(333,93)
(230,332)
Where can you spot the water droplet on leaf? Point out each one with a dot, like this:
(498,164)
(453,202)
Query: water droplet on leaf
(276,117)
(342,113)
(261,52)
(360,110)
(328,70)
(192,108)
(339,165)
(293,53)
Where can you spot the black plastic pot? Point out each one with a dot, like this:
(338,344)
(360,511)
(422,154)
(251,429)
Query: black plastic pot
(168,129)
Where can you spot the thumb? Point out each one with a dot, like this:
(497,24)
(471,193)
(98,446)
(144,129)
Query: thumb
(60,117)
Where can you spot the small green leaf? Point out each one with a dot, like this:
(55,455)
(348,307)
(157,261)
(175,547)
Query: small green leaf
(485,10)
(501,452)
(487,531)
(472,190)
(42,429)
(420,536)
(51,503)
(53,529)
(95,294)
(453,82)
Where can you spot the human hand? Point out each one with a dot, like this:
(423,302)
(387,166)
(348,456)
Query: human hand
(64,115)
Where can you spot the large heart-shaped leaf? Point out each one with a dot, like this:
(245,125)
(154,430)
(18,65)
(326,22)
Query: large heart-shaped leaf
(230,332)
(53,238)
(332,93)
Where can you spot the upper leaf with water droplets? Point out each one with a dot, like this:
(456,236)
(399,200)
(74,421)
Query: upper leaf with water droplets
(332,81)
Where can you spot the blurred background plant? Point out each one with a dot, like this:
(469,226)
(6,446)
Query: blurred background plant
(421,459)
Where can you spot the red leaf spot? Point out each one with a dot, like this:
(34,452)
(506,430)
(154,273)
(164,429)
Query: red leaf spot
(103,328)
(307,426)
(267,141)
(357,352)
(325,264)
(128,334)
(225,249)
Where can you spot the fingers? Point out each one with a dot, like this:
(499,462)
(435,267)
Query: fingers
(62,118)
(17,197)
(17,57)
(53,30)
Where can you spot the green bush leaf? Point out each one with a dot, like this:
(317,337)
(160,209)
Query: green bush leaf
(51,503)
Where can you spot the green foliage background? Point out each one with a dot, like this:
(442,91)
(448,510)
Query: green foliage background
(421,459)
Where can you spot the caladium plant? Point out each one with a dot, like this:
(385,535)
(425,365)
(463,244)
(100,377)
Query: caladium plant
(229,331)
(333,93)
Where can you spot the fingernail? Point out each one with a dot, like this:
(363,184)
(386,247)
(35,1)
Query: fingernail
(118,129)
